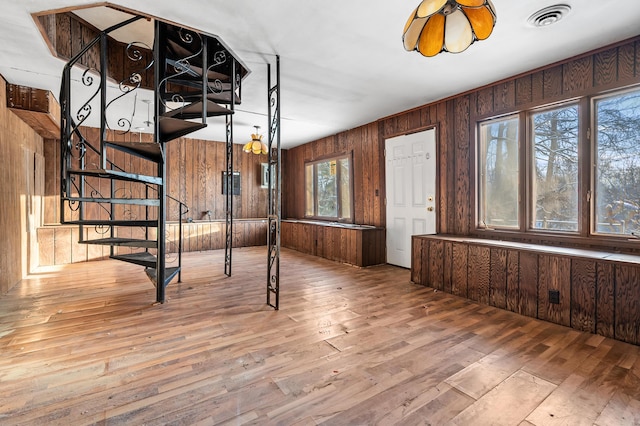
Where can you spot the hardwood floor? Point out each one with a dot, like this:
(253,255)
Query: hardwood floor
(84,345)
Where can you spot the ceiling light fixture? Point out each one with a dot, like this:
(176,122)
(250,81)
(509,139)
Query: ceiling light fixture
(549,15)
(148,122)
(256,145)
(448,26)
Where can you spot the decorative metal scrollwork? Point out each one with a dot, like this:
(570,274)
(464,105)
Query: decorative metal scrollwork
(130,84)
(215,86)
(182,66)
(85,110)
(187,36)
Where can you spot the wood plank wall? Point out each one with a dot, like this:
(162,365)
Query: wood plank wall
(597,295)
(58,245)
(21,151)
(609,68)
(454,119)
(195,173)
(368,172)
(66,34)
(194,169)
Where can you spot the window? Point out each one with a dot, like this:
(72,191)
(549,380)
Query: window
(582,161)
(499,173)
(555,169)
(328,189)
(617,163)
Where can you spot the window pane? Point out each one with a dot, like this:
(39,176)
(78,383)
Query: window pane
(617,201)
(345,189)
(327,189)
(499,174)
(309,190)
(555,168)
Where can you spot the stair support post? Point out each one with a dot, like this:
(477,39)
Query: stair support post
(228,251)
(275,190)
(159,58)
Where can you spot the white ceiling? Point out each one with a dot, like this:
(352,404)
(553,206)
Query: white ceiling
(343,64)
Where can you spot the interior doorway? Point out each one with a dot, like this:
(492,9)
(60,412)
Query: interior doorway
(411,192)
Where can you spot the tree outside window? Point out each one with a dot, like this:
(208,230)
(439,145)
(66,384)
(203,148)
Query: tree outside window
(555,169)
(617,163)
(573,163)
(499,174)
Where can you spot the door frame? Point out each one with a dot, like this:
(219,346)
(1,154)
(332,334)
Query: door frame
(436,128)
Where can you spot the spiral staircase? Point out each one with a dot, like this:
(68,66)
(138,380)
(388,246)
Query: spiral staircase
(114,187)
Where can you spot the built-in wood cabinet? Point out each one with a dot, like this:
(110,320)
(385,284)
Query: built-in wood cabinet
(597,291)
(353,244)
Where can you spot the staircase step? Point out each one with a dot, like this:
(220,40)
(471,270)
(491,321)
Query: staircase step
(178,46)
(194,110)
(222,97)
(116,174)
(146,150)
(173,128)
(130,201)
(96,222)
(124,242)
(144,259)
(192,73)
(169,274)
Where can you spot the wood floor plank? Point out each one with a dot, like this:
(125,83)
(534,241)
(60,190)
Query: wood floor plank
(518,395)
(83,344)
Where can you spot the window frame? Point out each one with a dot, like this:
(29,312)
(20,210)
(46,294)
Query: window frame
(480,182)
(586,234)
(333,157)
(593,152)
(529,179)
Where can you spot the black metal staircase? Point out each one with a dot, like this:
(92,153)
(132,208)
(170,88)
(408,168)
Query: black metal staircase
(114,203)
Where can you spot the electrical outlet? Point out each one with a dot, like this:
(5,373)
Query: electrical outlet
(554,296)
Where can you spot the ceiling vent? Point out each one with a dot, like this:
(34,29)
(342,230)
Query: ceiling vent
(549,15)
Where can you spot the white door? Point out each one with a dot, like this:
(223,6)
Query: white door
(411,192)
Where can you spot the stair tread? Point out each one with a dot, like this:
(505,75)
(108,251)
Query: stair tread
(116,174)
(143,259)
(194,110)
(150,151)
(92,222)
(136,201)
(179,46)
(169,274)
(127,242)
(219,97)
(173,128)
(194,70)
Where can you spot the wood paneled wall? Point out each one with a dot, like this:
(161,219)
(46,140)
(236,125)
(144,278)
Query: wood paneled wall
(21,191)
(66,34)
(368,172)
(58,245)
(194,169)
(195,176)
(598,293)
(609,68)
(455,118)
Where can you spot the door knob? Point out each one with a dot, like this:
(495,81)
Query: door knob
(430,209)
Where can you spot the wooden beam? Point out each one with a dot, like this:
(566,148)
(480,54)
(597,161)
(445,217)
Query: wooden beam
(36,107)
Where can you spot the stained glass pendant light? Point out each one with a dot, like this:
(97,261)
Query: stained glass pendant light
(256,145)
(448,25)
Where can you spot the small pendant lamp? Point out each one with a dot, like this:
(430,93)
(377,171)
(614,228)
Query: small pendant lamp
(256,145)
